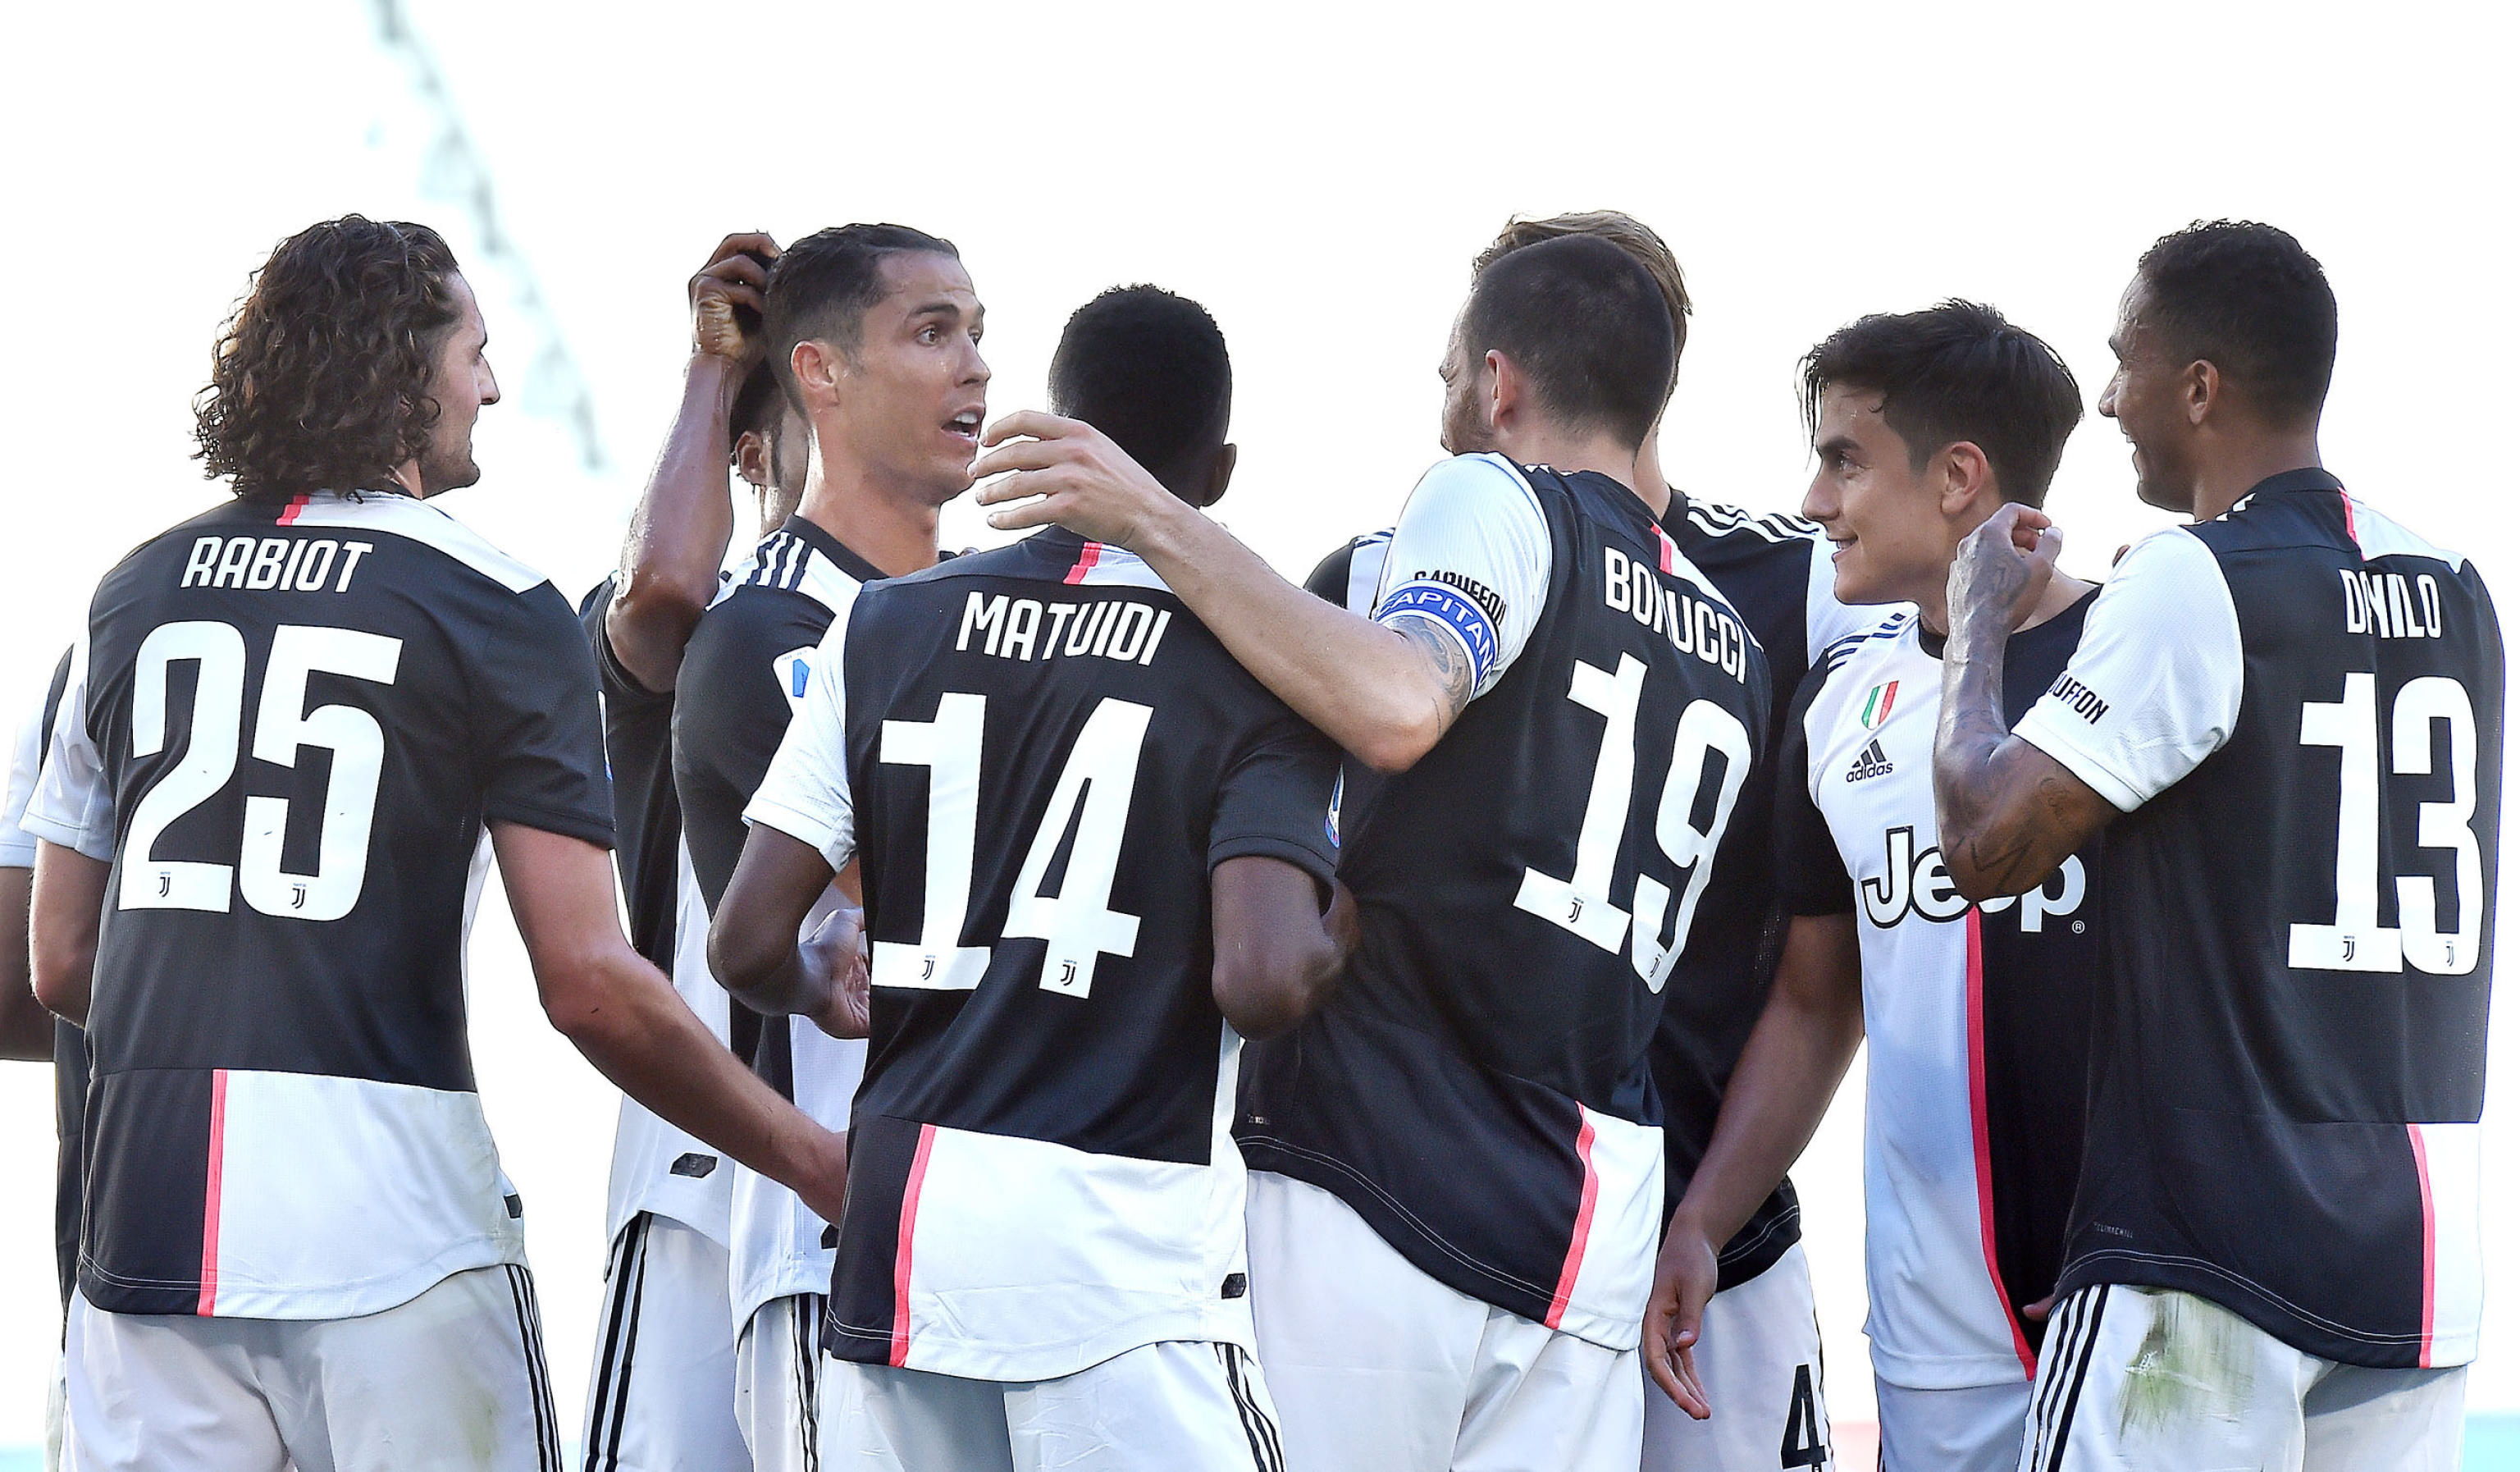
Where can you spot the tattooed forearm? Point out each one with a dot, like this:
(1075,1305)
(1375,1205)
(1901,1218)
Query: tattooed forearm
(2009,814)
(1450,663)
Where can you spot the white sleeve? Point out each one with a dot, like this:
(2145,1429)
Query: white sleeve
(2154,687)
(25,765)
(805,794)
(1471,557)
(72,806)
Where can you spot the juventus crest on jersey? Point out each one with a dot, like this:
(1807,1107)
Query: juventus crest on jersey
(287,727)
(2299,707)
(1477,1087)
(1039,756)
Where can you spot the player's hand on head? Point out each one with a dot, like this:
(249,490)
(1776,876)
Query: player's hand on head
(726,300)
(835,954)
(1065,471)
(2003,567)
(1685,1278)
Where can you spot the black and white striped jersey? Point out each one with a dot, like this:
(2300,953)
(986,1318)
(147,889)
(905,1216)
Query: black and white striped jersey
(747,668)
(1478,1087)
(1039,757)
(285,729)
(2298,707)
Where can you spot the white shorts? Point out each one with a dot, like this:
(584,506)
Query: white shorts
(452,1379)
(2150,1380)
(1976,1428)
(1758,1355)
(778,1383)
(662,1398)
(1380,1368)
(1177,1407)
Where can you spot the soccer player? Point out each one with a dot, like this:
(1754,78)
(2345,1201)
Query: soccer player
(2296,705)
(1924,423)
(1459,1174)
(289,723)
(662,1392)
(1765,1365)
(875,331)
(27,1031)
(1043,1264)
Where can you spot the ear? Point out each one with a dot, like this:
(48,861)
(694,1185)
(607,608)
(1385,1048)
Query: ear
(816,366)
(751,458)
(2200,388)
(1503,390)
(1967,479)
(1220,474)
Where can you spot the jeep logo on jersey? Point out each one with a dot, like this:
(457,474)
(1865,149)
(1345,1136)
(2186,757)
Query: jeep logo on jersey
(1917,883)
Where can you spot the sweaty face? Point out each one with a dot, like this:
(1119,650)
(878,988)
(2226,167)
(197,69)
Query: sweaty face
(2143,397)
(462,384)
(914,390)
(1884,520)
(1466,422)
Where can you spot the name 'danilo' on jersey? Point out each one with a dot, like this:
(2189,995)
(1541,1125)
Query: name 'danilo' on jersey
(258,563)
(1916,883)
(1704,629)
(1024,629)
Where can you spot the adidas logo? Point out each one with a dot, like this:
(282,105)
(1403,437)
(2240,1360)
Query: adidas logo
(1870,762)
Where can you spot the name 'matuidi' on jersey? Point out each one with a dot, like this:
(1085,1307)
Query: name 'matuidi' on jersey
(1477,1088)
(1978,1017)
(1040,755)
(2298,707)
(655,1167)
(286,731)
(1775,573)
(746,671)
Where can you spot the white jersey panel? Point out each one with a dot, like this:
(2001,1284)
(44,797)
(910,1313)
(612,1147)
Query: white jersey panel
(404,1183)
(1937,1318)
(72,805)
(26,767)
(655,1167)
(805,794)
(1471,556)
(2155,688)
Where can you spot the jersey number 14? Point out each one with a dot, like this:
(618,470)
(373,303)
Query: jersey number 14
(1581,901)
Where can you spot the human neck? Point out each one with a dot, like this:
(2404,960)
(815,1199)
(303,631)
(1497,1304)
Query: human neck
(2222,479)
(1569,451)
(886,524)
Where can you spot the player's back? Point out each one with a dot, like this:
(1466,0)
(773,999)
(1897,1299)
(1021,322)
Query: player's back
(1477,1088)
(2301,930)
(1046,756)
(294,722)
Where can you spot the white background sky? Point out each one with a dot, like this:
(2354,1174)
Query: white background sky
(1320,176)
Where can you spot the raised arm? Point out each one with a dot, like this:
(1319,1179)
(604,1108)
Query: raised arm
(2008,812)
(679,531)
(625,1017)
(1779,1091)
(1385,691)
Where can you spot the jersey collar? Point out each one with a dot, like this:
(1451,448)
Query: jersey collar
(813,536)
(2309,477)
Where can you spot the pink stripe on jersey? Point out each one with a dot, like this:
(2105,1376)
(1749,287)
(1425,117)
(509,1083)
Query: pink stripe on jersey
(901,1248)
(1985,1156)
(1583,1225)
(2347,501)
(1084,561)
(211,1193)
(2424,1185)
(1667,548)
(288,513)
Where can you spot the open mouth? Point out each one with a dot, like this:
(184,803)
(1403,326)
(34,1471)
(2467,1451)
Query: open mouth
(965,426)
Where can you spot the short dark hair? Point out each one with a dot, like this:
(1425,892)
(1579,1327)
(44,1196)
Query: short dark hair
(1585,323)
(821,287)
(1148,369)
(1622,230)
(2249,299)
(757,403)
(1954,372)
(319,379)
